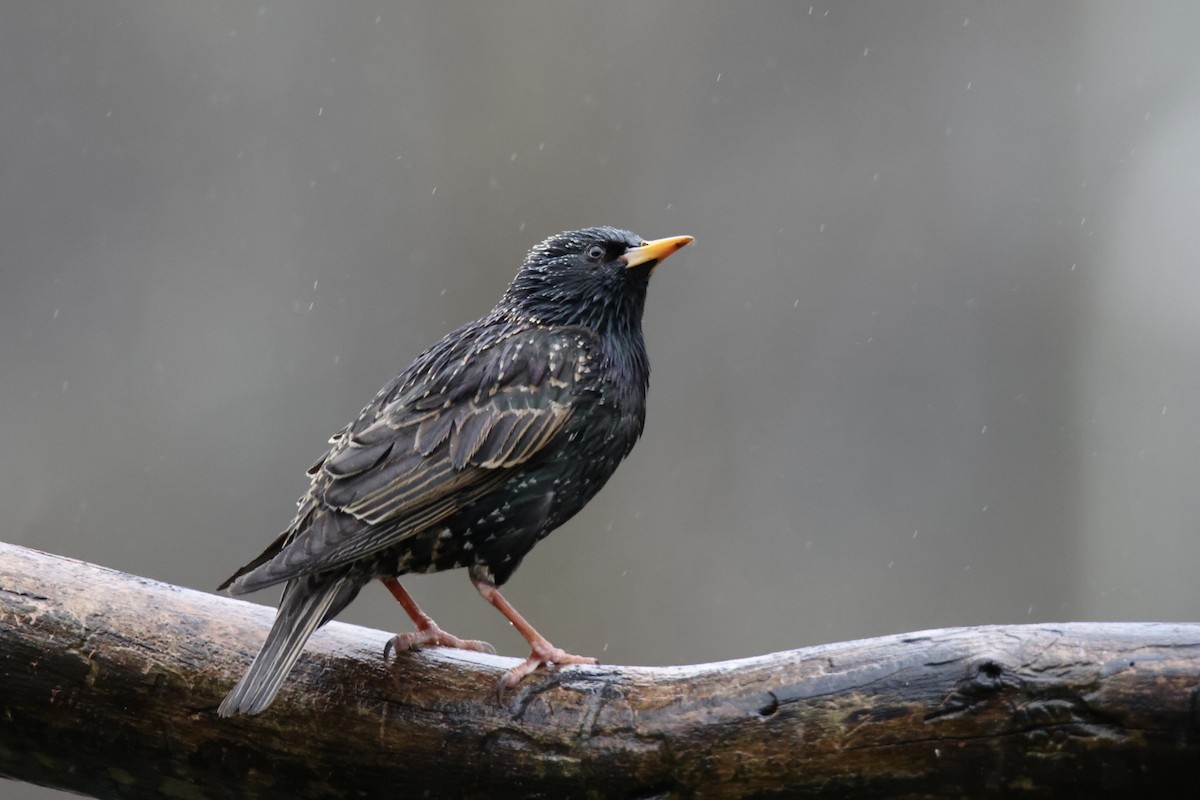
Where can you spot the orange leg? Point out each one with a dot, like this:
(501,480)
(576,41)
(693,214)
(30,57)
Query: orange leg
(542,652)
(427,632)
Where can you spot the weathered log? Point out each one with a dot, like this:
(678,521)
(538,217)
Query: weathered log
(109,685)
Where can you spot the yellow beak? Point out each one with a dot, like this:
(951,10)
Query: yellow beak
(656,251)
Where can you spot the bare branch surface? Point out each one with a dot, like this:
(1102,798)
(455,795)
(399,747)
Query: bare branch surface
(109,685)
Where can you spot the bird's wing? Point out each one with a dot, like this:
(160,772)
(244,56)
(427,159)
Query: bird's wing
(449,430)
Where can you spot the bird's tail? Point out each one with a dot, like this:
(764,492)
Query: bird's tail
(307,603)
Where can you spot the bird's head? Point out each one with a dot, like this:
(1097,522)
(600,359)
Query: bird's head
(595,277)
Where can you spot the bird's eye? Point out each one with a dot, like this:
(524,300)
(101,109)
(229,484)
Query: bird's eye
(595,253)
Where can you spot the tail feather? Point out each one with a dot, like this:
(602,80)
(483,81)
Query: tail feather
(307,603)
(272,550)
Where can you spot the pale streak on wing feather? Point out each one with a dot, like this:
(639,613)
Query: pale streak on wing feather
(388,426)
(355,458)
(540,431)
(432,431)
(469,432)
(497,439)
(393,475)
(383,509)
(389,500)
(501,455)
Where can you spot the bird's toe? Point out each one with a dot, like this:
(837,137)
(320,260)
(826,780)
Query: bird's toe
(433,636)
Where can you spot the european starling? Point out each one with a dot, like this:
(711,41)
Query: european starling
(491,439)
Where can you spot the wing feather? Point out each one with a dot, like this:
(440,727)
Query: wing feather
(469,432)
(358,458)
(432,431)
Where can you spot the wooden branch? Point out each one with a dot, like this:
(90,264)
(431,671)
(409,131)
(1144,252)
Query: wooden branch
(109,685)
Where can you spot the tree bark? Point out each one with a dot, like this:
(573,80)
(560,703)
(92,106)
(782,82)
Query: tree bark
(109,685)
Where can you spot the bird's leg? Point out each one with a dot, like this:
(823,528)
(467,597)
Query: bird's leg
(427,632)
(542,652)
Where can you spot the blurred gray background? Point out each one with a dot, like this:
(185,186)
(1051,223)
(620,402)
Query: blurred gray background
(931,362)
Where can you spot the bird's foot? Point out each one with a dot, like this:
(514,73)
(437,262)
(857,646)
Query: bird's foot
(433,636)
(542,655)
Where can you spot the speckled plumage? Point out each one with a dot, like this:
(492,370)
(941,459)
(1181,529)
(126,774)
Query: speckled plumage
(490,440)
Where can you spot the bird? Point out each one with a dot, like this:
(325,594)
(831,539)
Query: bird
(491,439)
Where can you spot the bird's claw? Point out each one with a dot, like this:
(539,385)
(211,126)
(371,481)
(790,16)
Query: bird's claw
(539,658)
(433,636)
